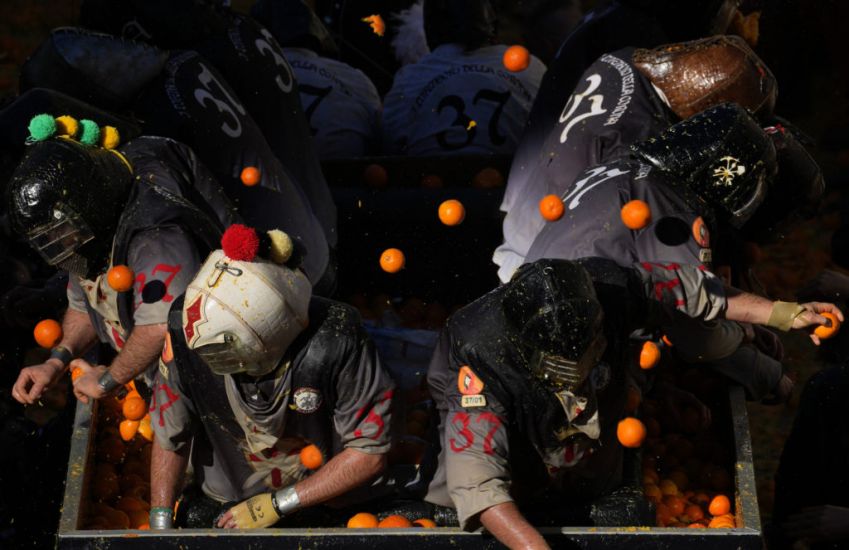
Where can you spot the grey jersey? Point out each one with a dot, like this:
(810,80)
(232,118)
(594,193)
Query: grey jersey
(592,224)
(164,261)
(457,102)
(612,107)
(246,433)
(677,234)
(340,103)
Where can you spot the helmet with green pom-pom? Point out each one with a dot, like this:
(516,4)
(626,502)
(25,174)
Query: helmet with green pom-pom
(67,200)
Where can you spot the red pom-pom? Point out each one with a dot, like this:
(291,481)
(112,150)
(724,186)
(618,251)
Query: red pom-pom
(240,242)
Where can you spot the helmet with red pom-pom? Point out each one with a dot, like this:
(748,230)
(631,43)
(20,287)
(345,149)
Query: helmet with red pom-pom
(245,306)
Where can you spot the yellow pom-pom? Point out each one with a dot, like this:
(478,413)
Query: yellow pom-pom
(281,246)
(109,137)
(67,125)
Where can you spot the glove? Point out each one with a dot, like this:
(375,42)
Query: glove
(255,513)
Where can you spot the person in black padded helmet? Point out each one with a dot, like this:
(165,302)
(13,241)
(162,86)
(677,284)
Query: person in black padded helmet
(530,383)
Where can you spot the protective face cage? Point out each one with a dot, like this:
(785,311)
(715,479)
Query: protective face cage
(562,373)
(749,205)
(56,242)
(228,356)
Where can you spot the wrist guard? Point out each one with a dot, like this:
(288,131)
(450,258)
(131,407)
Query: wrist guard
(783,314)
(107,383)
(161,517)
(286,500)
(63,354)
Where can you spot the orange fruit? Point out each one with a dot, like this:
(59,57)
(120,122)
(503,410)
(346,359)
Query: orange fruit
(134,408)
(432,181)
(120,278)
(250,176)
(138,518)
(392,260)
(311,457)
(130,395)
(394,521)
(719,505)
(675,504)
(145,430)
(516,58)
(551,208)
(636,214)
(105,487)
(132,504)
(649,355)
(375,175)
(128,481)
(452,212)
(488,178)
(650,477)
(630,432)
(363,520)
(135,467)
(694,512)
(128,429)
(680,479)
(663,515)
(826,332)
(111,450)
(701,498)
(76,372)
(667,487)
(118,520)
(721,522)
(696,526)
(144,526)
(652,492)
(47,333)
(424,522)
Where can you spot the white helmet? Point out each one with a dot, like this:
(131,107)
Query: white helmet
(241,312)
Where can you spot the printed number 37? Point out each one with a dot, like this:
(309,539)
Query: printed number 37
(594,81)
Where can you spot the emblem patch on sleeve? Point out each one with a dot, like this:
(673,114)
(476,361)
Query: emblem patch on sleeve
(167,350)
(473,401)
(468,382)
(307,400)
(700,232)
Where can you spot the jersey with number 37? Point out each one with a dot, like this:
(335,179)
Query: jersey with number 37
(456,102)
(612,107)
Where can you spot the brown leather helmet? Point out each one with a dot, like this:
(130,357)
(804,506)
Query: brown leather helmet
(697,75)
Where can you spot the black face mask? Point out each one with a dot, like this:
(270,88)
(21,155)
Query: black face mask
(67,199)
(794,194)
(720,158)
(553,307)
